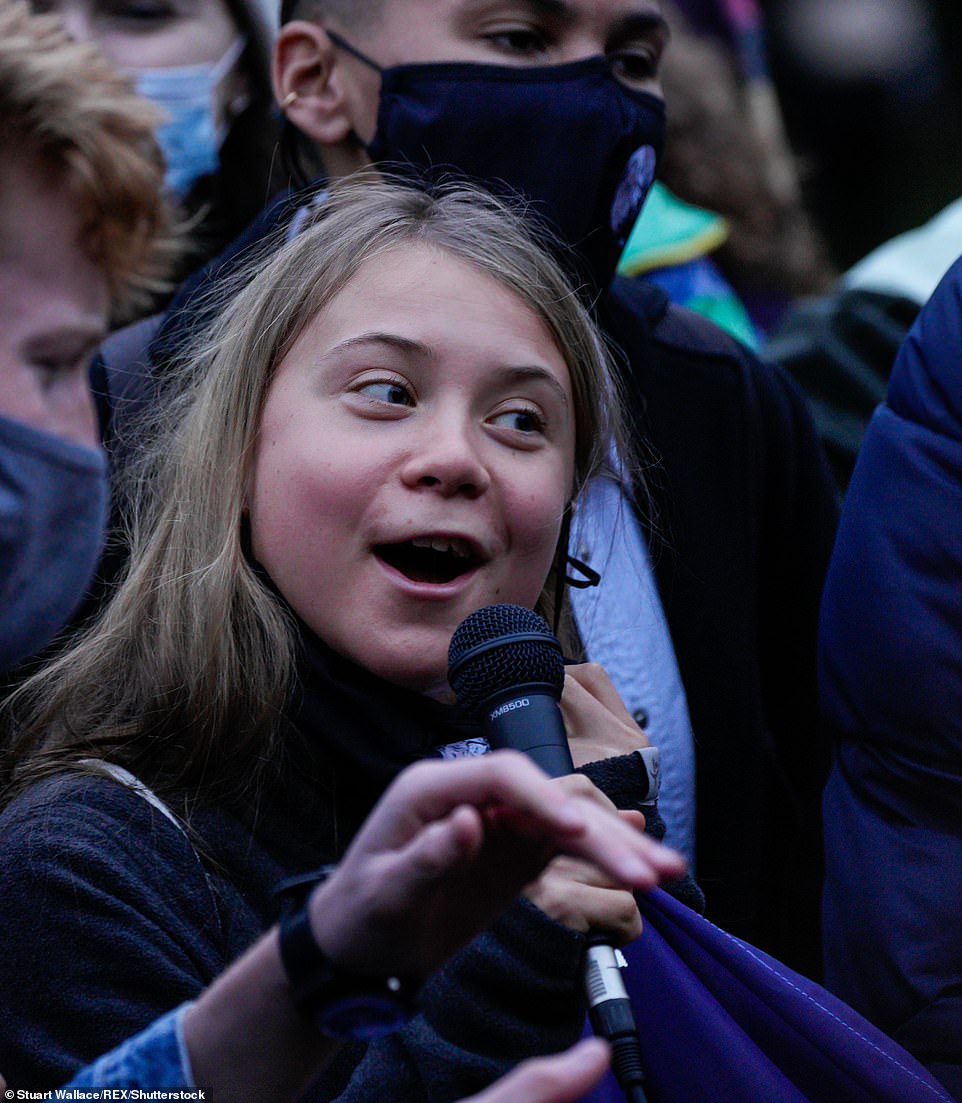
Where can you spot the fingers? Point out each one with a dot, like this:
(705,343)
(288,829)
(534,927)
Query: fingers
(615,841)
(580,897)
(633,818)
(484,828)
(397,879)
(594,679)
(598,723)
(569,815)
(441,850)
(611,839)
(582,788)
(429,791)
(563,1078)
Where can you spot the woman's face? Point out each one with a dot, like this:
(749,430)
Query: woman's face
(149,34)
(414,459)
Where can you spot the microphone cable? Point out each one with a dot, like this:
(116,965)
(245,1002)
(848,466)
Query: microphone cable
(611,1016)
(506,667)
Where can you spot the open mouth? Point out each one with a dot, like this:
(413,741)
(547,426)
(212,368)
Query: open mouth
(436,559)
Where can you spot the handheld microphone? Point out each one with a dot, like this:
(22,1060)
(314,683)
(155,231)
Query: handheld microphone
(505,666)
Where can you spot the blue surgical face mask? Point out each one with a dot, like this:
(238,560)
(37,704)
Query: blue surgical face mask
(191,96)
(53,511)
(579,145)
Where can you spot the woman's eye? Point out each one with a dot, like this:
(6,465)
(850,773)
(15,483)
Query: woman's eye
(521,421)
(389,391)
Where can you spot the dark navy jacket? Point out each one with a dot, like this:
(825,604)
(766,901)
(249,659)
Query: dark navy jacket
(891,686)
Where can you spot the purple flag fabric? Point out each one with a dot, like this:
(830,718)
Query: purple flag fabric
(722,1021)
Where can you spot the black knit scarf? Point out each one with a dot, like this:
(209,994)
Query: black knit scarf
(354,732)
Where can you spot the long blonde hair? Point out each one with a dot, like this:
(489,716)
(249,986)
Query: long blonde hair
(184,677)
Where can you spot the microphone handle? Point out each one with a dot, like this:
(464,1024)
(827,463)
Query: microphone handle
(528,719)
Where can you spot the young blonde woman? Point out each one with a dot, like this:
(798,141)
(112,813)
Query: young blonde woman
(383,433)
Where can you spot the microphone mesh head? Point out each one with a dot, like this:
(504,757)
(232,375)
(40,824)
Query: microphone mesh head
(502,646)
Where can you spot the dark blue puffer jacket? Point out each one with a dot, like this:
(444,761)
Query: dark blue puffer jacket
(891,688)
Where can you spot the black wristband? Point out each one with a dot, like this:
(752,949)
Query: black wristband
(341,1003)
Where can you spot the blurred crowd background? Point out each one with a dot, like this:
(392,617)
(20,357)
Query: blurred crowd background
(871,92)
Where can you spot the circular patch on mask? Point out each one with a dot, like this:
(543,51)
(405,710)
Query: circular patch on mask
(632,192)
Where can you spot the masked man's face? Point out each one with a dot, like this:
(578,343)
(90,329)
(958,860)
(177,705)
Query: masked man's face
(54,302)
(631,33)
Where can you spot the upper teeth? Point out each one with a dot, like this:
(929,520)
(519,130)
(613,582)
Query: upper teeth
(443,544)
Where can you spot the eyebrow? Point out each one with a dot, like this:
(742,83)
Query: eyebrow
(393,340)
(533,374)
(83,331)
(639,24)
(631,24)
(521,373)
(557,8)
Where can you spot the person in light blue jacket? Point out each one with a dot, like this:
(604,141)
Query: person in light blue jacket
(891,689)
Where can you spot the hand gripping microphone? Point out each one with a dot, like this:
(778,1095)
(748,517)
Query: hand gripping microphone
(506,667)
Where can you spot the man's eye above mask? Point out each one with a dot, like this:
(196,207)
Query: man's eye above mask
(520,41)
(634,67)
(51,365)
(51,373)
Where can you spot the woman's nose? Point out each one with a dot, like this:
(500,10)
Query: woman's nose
(447,460)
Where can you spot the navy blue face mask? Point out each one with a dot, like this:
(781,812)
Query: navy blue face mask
(581,147)
(53,514)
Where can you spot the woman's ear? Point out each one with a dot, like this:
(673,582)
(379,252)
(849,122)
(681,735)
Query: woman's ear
(316,88)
